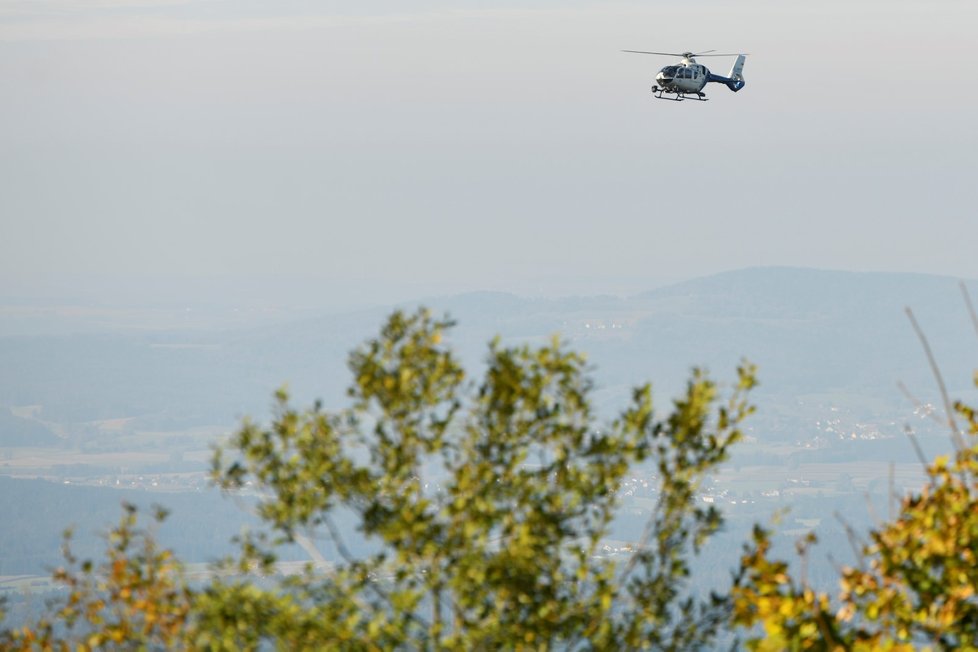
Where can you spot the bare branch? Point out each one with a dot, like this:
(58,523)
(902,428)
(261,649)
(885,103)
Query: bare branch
(853,539)
(337,538)
(803,549)
(890,491)
(871,509)
(643,543)
(839,568)
(908,431)
(971,307)
(956,438)
(317,557)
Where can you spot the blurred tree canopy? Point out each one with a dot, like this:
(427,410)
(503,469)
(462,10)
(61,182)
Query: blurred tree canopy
(485,505)
(914,586)
(136,599)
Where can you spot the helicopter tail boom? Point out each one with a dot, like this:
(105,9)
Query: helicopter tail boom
(735,79)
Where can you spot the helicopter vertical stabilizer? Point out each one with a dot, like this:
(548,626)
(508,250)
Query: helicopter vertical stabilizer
(736,75)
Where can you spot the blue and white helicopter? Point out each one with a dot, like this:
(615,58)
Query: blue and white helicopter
(686,79)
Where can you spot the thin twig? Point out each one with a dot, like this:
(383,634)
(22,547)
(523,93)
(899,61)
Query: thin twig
(305,542)
(908,431)
(643,542)
(971,307)
(956,438)
(839,569)
(871,508)
(890,491)
(802,549)
(337,539)
(853,539)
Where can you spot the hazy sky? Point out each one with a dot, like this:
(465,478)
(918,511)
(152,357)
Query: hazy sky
(418,147)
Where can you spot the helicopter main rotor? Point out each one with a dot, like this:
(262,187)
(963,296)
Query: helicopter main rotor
(685,55)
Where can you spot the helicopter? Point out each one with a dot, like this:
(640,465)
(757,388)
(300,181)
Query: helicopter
(686,79)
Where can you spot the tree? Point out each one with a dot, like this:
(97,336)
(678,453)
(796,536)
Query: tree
(915,584)
(485,506)
(916,580)
(136,599)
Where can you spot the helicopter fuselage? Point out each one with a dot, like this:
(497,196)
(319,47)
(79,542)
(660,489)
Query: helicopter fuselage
(687,77)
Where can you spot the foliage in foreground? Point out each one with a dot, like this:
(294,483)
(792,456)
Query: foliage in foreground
(136,599)
(915,584)
(485,504)
(504,551)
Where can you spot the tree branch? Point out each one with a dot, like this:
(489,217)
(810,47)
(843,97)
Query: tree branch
(956,438)
(970,306)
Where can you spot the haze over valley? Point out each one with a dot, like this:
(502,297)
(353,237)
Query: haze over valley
(127,412)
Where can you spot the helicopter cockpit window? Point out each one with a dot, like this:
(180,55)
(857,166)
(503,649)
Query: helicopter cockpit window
(669,71)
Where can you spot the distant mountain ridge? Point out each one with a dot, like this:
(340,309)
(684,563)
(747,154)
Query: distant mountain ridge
(810,289)
(811,332)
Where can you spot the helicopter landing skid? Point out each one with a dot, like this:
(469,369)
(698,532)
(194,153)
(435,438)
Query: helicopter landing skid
(661,94)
